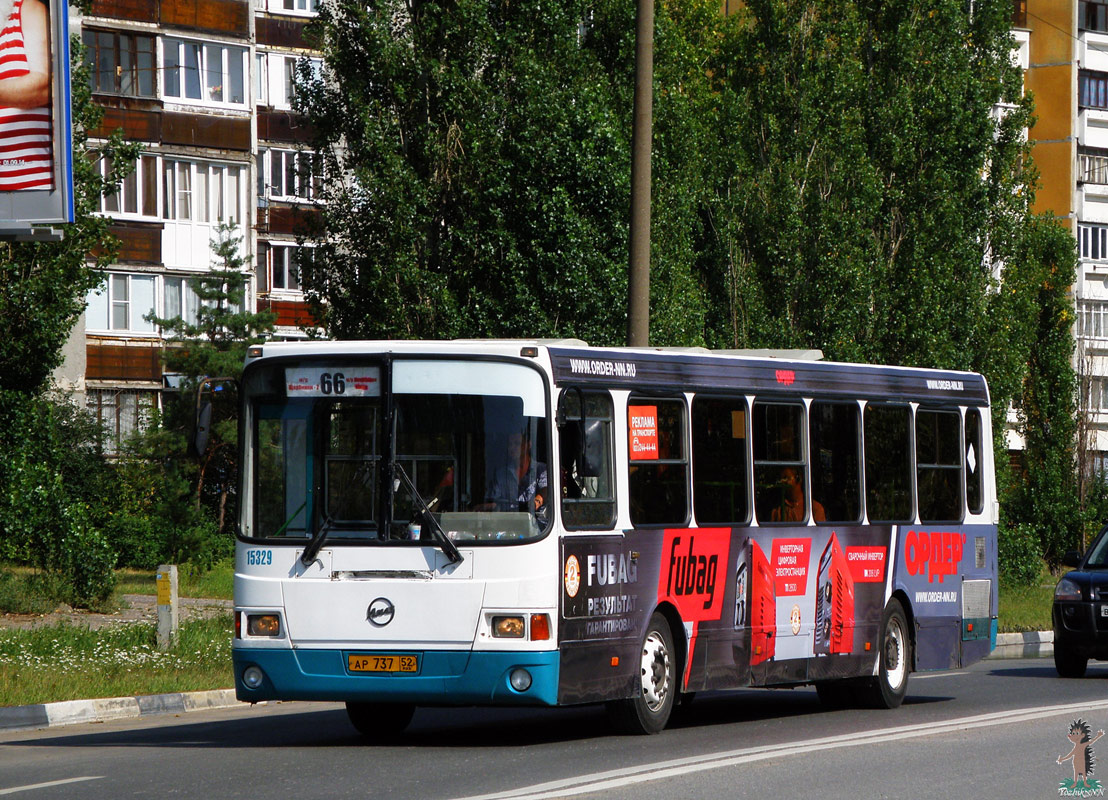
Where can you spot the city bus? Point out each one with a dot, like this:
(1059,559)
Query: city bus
(545,523)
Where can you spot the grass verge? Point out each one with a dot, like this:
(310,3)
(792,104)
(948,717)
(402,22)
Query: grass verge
(69,662)
(216,582)
(1027,608)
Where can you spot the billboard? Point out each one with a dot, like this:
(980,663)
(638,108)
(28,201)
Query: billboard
(36,142)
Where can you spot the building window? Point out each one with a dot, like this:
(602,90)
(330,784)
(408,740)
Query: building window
(280,266)
(1098,394)
(1092,241)
(122,413)
(202,191)
(305,7)
(1094,89)
(205,71)
(289,175)
(261,79)
(121,304)
(281,73)
(179,299)
(190,191)
(1092,319)
(1092,16)
(120,62)
(1092,165)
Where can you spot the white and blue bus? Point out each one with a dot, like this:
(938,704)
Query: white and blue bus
(548,523)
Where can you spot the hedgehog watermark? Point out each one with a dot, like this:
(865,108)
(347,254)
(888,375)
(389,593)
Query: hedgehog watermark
(1083,759)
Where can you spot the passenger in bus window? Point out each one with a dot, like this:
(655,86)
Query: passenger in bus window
(792,499)
(518,484)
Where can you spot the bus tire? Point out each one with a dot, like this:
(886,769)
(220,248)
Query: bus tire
(837,694)
(887,688)
(1068,663)
(380,722)
(656,688)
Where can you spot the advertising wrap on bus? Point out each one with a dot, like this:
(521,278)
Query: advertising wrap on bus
(814,615)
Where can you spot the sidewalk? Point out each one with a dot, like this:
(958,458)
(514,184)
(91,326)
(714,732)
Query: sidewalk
(1038,644)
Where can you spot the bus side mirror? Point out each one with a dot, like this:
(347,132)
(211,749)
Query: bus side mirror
(1072,558)
(209,391)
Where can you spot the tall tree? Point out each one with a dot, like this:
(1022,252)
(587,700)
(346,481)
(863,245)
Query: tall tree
(477,155)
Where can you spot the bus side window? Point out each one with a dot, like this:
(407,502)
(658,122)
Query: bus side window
(835,439)
(780,468)
(585,444)
(975,474)
(658,468)
(939,465)
(719,461)
(888,460)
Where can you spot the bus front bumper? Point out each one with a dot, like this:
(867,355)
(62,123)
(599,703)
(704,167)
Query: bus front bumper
(443,677)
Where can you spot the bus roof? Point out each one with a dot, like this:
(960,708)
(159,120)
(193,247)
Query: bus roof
(684,369)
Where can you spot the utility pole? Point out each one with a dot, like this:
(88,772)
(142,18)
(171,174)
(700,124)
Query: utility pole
(638,273)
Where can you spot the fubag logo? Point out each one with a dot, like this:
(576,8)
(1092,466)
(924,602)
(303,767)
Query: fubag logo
(693,563)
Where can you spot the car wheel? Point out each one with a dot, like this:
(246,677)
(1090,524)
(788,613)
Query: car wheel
(1068,663)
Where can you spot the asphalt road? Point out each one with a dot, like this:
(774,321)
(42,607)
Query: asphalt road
(994,730)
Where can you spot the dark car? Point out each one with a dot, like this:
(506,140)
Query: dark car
(1080,611)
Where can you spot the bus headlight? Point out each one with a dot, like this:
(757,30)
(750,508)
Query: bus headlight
(520,679)
(508,627)
(252,677)
(263,625)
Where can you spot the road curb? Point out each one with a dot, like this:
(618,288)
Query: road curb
(71,712)
(1030,644)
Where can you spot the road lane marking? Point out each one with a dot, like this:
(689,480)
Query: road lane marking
(48,784)
(630,776)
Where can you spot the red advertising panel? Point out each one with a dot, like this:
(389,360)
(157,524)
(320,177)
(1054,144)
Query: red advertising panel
(790,566)
(642,433)
(867,564)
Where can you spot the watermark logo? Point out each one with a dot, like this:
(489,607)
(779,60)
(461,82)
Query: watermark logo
(1083,759)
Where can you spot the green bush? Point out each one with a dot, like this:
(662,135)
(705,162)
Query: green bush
(1020,554)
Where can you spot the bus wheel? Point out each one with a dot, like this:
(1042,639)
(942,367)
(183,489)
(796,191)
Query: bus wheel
(894,660)
(836,694)
(380,722)
(649,710)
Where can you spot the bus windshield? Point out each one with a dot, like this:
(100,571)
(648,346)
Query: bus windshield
(329,442)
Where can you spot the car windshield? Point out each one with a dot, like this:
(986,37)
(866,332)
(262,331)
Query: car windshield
(471,436)
(1098,554)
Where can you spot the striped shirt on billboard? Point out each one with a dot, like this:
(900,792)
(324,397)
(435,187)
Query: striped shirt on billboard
(25,133)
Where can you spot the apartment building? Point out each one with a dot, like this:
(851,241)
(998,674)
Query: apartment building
(1065,57)
(205,86)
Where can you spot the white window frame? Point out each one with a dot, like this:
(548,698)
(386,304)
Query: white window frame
(1092,319)
(115,285)
(300,8)
(288,166)
(207,52)
(1093,241)
(106,402)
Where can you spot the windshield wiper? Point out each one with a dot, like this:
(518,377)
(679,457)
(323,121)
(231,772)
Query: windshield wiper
(438,534)
(320,536)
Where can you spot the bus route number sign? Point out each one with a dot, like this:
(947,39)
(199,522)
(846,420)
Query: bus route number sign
(367,662)
(333,380)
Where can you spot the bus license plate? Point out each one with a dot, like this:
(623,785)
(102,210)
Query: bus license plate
(1104,611)
(389,663)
